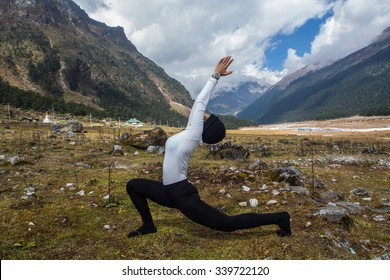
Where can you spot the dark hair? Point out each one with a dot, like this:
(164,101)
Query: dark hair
(213,130)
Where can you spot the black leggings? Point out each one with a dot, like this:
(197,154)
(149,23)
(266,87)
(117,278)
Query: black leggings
(184,197)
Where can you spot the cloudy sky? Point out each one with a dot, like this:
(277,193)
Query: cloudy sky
(268,39)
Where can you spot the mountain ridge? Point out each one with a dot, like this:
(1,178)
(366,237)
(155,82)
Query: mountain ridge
(343,88)
(53,50)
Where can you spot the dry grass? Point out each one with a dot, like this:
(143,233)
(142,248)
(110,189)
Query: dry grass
(70,226)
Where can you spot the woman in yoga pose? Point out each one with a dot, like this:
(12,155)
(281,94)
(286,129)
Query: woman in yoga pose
(175,191)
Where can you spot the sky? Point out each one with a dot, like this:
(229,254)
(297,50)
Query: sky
(268,39)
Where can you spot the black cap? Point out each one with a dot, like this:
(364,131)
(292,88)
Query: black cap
(213,130)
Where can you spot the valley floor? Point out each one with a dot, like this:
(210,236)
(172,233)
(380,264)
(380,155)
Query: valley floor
(64,197)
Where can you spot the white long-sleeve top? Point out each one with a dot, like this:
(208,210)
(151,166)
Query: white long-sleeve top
(179,147)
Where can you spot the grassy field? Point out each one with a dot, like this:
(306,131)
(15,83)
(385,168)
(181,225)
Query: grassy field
(61,223)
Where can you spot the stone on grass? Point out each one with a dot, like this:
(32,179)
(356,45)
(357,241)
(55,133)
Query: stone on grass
(332,213)
(272,202)
(359,192)
(253,202)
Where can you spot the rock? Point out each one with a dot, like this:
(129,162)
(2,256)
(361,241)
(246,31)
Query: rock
(359,192)
(299,190)
(289,175)
(253,202)
(14,160)
(370,151)
(329,196)
(107,227)
(124,136)
(257,164)
(246,188)
(332,213)
(154,137)
(81,193)
(351,207)
(30,191)
(71,186)
(69,128)
(367,198)
(243,204)
(272,202)
(379,218)
(264,187)
(155,150)
(308,224)
(275,192)
(319,184)
(229,151)
(120,166)
(224,168)
(384,257)
(117,151)
(75,126)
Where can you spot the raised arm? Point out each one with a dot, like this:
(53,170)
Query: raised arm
(196,119)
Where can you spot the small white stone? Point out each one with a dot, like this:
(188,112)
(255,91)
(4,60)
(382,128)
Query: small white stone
(243,204)
(275,192)
(253,202)
(264,187)
(331,204)
(222,191)
(71,186)
(308,224)
(107,227)
(91,192)
(246,188)
(31,224)
(367,198)
(229,195)
(379,218)
(271,202)
(136,153)
(81,193)
(107,197)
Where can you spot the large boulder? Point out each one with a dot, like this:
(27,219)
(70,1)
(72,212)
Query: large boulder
(71,126)
(229,151)
(155,137)
(290,175)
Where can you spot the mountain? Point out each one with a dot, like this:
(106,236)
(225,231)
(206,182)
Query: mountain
(355,85)
(230,102)
(53,56)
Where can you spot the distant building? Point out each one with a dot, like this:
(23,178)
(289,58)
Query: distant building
(135,122)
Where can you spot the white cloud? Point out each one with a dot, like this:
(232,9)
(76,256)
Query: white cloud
(188,37)
(354,25)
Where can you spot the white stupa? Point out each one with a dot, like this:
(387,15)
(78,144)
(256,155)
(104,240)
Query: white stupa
(47,119)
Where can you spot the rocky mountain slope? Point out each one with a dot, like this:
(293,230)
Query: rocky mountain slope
(231,102)
(355,85)
(53,56)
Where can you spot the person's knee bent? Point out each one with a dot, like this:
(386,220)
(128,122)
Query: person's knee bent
(131,185)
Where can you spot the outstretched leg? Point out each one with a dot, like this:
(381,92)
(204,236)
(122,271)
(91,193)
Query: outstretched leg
(200,212)
(139,191)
